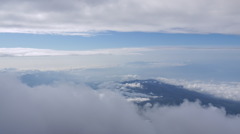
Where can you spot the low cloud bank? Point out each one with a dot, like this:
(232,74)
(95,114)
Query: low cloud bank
(25,52)
(227,90)
(63,108)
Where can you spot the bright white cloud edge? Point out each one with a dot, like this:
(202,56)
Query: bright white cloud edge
(49,52)
(24,52)
(221,89)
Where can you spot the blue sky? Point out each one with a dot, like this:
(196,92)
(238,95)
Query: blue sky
(116,40)
(84,17)
(203,36)
(99,24)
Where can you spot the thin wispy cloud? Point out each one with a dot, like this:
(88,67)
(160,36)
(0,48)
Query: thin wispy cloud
(86,17)
(49,52)
(114,51)
(146,59)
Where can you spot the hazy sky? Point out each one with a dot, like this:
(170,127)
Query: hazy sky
(184,36)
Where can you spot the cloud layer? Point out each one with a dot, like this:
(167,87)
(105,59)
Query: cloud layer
(75,108)
(227,90)
(48,52)
(65,108)
(84,17)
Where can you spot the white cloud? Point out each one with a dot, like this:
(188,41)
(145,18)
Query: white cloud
(144,62)
(129,77)
(76,108)
(65,108)
(191,118)
(133,85)
(47,59)
(85,17)
(49,52)
(227,90)
(138,99)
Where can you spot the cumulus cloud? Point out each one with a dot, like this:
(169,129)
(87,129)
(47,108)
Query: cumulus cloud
(70,108)
(227,90)
(129,77)
(191,118)
(133,85)
(64,108)
(138,99)
(85,17)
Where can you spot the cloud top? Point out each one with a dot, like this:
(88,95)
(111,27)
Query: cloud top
(75,108)
(85,17)
(227,90)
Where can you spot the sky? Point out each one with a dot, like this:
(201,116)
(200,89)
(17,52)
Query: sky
(181,39)
(186,39)
(86,17)
(115,40)
(97,24)
(67,44)
(177,39)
